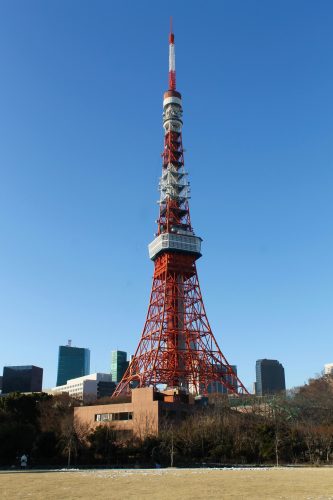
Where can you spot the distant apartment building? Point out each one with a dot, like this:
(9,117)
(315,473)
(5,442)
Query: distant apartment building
(73,362)
(119,365)
(217,387)
(328,369)
(27,378)
(88,388)
(270,378)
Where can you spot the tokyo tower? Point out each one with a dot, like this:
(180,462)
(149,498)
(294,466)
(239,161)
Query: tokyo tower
(177,348)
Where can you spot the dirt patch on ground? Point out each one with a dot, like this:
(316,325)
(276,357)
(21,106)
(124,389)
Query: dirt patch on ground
(284,483)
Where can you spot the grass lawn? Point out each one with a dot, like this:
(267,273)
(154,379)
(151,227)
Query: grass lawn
(171,484)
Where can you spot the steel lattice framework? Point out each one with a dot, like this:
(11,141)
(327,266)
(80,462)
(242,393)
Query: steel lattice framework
(177,348)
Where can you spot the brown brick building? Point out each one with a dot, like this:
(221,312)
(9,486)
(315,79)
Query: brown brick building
(144,415)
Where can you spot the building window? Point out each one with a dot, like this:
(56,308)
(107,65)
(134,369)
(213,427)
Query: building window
(123,415)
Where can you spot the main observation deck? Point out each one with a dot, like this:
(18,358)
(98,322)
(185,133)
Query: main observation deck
(182,241)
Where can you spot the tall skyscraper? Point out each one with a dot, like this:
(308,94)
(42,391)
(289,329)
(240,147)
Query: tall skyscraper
(22,379)
(73,362)
(269,377)
(119,365)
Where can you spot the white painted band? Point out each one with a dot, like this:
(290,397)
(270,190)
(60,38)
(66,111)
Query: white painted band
(172,100)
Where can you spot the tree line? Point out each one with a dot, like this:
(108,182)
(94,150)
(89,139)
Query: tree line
(292,428)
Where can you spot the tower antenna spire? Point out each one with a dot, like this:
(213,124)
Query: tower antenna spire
(172,59)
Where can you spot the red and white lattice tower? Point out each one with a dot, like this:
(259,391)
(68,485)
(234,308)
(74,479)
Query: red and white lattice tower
(177,348)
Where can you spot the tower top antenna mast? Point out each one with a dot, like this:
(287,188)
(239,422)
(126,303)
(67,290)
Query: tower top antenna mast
(172,59)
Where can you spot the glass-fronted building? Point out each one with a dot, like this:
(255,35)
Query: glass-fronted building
(270,378)
(218,387)
(73,362)
(27,378)
(119,365)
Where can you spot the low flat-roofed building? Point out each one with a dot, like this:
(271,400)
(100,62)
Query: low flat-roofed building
(144,414)
(88,388)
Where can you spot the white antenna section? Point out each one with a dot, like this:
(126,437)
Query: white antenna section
(172,57)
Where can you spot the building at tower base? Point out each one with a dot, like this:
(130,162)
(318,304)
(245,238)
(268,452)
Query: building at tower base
(144,414)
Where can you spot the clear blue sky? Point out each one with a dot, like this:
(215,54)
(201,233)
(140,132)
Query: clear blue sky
(80,141)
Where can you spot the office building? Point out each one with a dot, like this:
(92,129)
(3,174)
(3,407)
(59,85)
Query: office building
(328,369)
(88,388)
(119,365)
(73,362)
(270,377)
(22,379)
(219,387)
